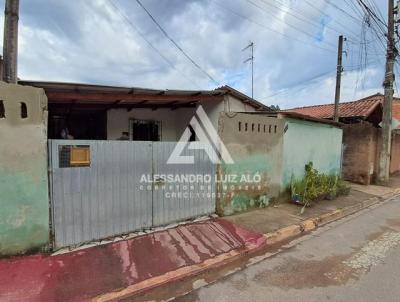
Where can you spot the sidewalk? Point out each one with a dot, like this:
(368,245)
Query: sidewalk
(129,267)
(126,267)
(283,215)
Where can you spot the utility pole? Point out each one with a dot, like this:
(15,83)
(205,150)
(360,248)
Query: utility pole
(338,78)
(251,59)
(10,43)
(384,156)
(1,68)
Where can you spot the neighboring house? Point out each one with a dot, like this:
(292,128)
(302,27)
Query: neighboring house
(361,134)
(367,109)
(276,146)
(308,139)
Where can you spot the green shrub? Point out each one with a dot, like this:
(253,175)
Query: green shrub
(316,186)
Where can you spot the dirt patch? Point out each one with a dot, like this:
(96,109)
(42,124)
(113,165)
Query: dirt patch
(394,222)
(376,235)
(298,274)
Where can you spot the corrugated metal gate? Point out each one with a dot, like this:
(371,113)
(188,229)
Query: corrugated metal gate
(100,189)
(186,199)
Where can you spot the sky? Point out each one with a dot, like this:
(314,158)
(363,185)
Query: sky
(115,42)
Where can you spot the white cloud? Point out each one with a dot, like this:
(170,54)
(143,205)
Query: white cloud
(61,41)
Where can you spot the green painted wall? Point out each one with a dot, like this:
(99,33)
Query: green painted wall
(24,201)
(24,218)
(306,141)
(247,191)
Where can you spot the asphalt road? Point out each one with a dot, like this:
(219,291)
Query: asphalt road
(354,259)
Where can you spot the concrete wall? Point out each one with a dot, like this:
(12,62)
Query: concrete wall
(229,104)
(360,152)
(24,203)
(173,122)
(305,142)
(255,149)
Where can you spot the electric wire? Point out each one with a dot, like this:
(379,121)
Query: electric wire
(136,30)
(176,44)
(331,50)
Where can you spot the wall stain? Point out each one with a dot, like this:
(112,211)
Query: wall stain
(24,198)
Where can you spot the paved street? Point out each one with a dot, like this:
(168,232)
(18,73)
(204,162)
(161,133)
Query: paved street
(354,259)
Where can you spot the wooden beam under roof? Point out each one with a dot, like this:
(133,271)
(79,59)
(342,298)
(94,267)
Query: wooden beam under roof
(128,98)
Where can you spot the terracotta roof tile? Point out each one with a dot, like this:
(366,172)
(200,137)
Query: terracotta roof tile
(361,108)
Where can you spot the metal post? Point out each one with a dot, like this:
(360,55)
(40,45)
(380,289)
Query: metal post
(251,45)
(252,70)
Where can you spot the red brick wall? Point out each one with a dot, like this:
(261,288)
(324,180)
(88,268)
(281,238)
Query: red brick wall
(395,155)
(359,153)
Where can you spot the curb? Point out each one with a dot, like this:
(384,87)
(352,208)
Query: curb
(311,224)
(281,235)
(179,274)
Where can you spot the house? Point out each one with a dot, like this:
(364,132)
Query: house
(361,134)
(90,185)
(80,182)
(105,112)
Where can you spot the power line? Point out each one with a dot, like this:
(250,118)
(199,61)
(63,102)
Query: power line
(354,8)
(376,8)
(380,26)
(269,28)
(372,13)
(300,16)
(300,84)
(136,30)
(343,11)
(309,3)
(280,20)
(176,44)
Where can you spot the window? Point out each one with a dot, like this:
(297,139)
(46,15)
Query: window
(73,156)
(192,137)
(2,110)
(24,110)
(142,130)
(240,126)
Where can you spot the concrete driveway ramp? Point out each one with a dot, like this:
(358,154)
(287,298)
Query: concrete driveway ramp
(124,268)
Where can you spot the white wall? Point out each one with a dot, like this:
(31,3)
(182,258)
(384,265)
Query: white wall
(173,122)
(229,104)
